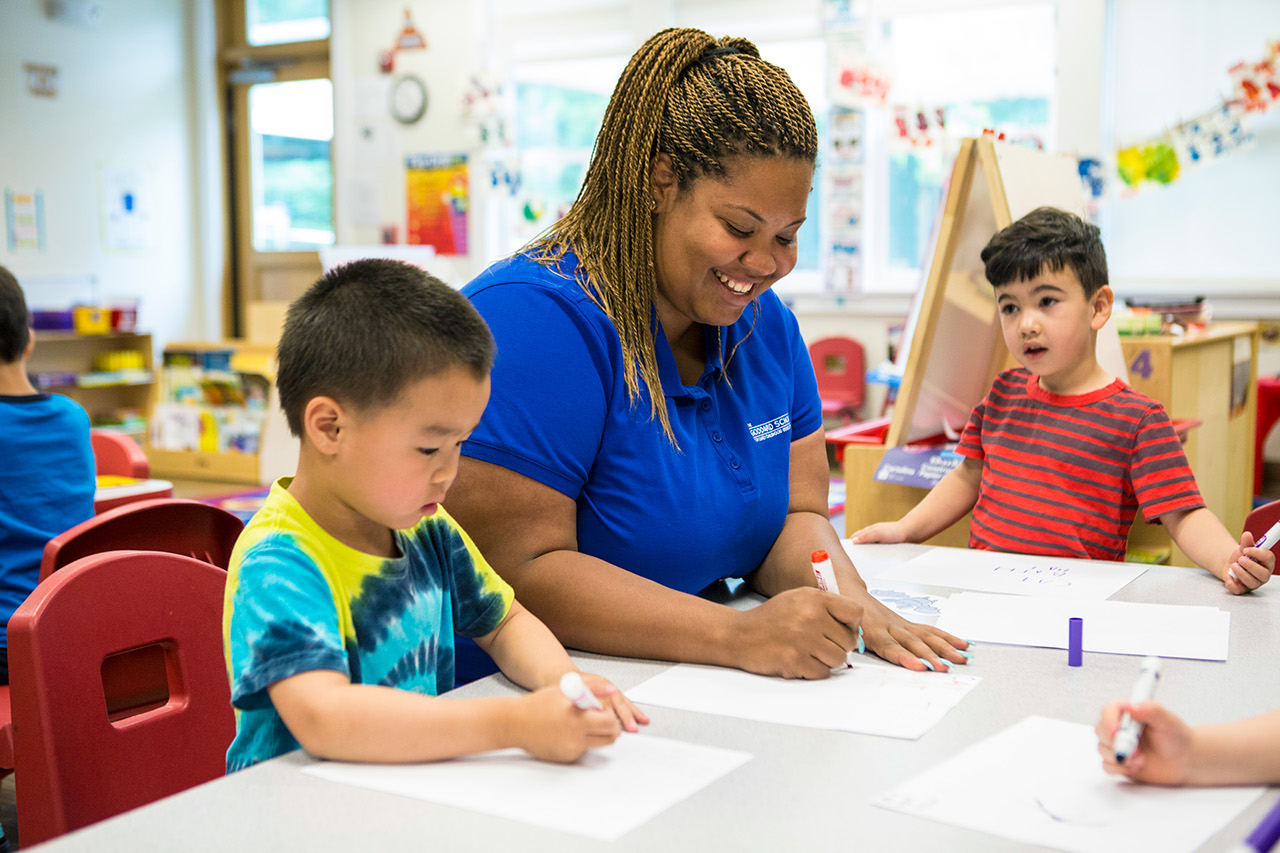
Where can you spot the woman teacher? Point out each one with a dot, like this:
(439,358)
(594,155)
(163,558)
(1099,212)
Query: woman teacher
(655,424)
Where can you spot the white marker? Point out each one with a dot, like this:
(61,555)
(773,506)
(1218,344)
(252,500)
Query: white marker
(1270,538)
(1144,690)
(825,573)
(575,690)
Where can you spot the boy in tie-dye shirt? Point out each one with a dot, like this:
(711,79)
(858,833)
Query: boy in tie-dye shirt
(346,589)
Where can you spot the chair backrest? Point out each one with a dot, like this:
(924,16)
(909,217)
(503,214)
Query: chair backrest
(840,365)
(118,454)
(178,526)
(118,688)
(1260,521)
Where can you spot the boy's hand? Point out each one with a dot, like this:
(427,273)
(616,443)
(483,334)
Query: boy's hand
(1248,567)
(613,700)
(887,532)
(1164,753)
(552,728)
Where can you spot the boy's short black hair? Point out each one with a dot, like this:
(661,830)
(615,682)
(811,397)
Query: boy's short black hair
(1047,238)
(15,322)
(369,328)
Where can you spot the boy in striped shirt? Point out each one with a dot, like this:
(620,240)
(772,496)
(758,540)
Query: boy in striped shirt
(1060,455)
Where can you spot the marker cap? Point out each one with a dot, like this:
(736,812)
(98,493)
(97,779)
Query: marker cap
(1075,641)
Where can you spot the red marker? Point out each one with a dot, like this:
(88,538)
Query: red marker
(826,576)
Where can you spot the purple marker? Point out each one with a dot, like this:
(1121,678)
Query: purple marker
(1269,539)
(1075,641)
(1264,836)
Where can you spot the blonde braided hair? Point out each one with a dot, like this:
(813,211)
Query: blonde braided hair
(699,100)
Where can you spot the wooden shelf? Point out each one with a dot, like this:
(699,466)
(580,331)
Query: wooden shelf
(277,450)
(67,352)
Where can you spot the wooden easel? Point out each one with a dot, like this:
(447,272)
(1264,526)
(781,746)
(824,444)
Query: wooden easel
(954,344)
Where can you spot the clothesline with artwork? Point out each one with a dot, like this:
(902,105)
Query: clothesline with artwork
(1209,136)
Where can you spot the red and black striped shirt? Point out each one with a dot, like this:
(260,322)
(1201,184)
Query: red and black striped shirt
(1065,475)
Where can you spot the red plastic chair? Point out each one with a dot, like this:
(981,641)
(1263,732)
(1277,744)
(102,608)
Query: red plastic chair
(118,454)
(840,365)
(119,689)
(1268,416)
(177,526)
(1259,522)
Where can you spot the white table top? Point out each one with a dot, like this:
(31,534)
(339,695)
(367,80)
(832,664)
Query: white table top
(804,788)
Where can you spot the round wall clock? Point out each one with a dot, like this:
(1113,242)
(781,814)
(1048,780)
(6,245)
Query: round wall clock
(408,99)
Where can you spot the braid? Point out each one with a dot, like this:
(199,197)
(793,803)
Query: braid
(700,101)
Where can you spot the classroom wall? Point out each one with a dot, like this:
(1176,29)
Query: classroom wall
(137,91)
(124,101)
(1213,230)
(369,145)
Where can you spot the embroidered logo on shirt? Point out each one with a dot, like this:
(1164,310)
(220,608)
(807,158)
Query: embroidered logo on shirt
(769,429)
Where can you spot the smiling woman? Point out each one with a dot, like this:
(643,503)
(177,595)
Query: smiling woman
(655,424)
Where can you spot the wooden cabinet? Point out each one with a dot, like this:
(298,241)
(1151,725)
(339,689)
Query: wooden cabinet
(111,376)
(1209,376)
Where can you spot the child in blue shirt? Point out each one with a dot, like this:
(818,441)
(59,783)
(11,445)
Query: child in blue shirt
(346,589)
(47,481)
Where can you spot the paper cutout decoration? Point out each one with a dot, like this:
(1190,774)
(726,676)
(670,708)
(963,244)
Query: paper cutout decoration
(410,38)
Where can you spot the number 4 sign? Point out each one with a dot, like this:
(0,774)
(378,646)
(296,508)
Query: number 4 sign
(1142,364)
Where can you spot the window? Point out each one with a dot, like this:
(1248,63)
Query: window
(292,169)
(937,56)
(285,21)
(558,108)
(942,61)
(274,58)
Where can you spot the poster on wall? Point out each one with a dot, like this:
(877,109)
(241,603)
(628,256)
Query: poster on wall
(24,219)
(126,209)
(438,196)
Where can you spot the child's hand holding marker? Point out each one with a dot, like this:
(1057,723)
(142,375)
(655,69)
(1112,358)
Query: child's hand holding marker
(1252,563)
(554,729)
(591,692)
(1163,755)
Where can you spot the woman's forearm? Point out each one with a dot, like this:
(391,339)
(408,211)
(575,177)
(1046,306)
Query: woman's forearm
(595,606)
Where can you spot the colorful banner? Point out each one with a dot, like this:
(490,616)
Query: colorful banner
(1209,136)
(438,196)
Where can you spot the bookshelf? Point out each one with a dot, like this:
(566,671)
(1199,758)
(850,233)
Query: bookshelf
(111,375)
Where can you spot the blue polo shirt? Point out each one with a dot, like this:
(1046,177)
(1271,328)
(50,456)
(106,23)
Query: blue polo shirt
(560,414)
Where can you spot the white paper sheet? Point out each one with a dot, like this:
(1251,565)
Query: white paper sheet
(1016,574)
(907,601)
(1041,782)
(606,794)
(875,699)
(874,560)
(1113,627)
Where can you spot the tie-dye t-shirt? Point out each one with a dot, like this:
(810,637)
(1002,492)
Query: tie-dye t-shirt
(298,600)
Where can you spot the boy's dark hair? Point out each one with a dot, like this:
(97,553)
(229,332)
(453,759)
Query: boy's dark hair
(1047,238)
(369,328)
(15,322)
